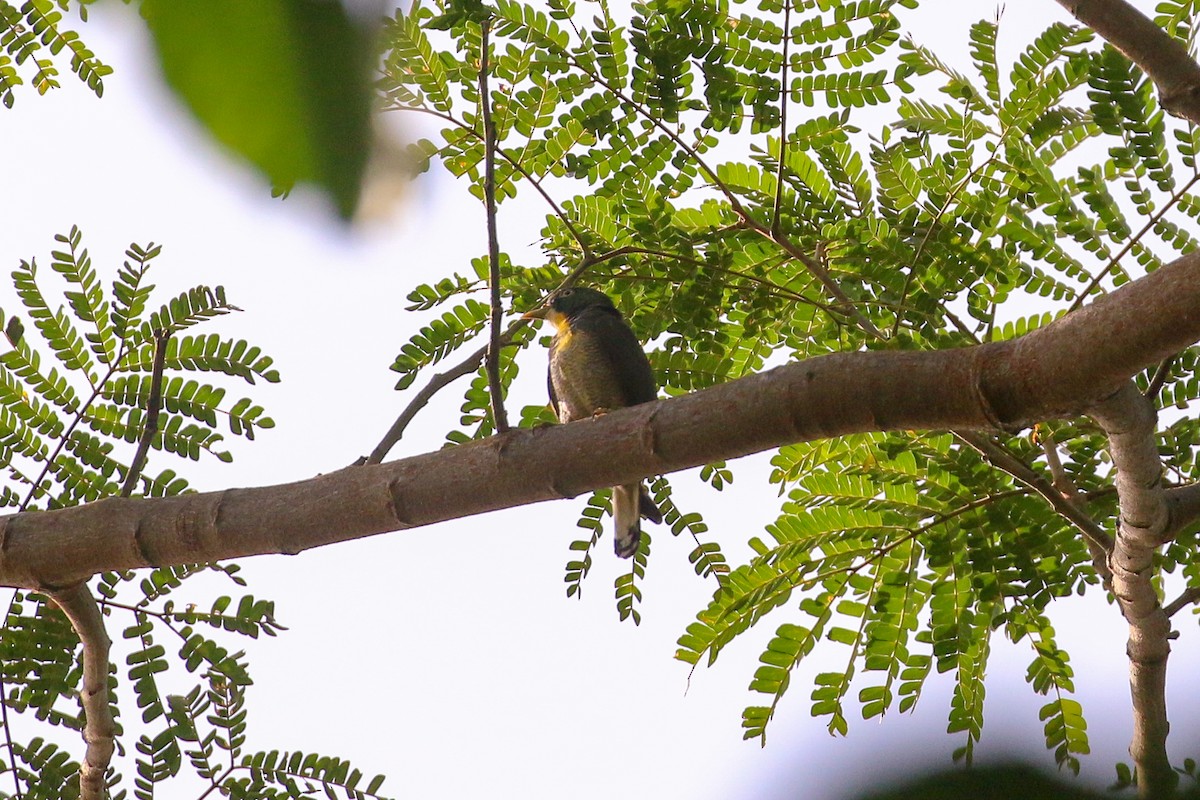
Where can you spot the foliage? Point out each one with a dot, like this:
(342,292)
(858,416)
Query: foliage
(75,395)
(32,38)
(305,119)
(306,116)
(705,163)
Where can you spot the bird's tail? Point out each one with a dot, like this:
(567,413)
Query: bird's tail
(630,503)
(649,510)
(626,513)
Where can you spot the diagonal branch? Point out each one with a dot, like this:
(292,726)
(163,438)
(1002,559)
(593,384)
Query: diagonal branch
(1056,371)
(152,411)
(99,729)
(1098,542)
(1185,599)
(1160,56)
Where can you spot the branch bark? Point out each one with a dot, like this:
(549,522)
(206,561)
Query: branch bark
(1164,59)
(1060,370)
(99,729)
(1129,420)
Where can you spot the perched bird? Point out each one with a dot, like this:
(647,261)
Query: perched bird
(596,365)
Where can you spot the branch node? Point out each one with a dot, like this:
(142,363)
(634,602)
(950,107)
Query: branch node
(396,503)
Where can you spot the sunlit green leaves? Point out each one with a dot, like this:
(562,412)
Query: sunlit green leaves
(34,42)
(67,432)
(977,214)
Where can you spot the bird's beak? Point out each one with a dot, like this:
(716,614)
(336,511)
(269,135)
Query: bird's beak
(536,313)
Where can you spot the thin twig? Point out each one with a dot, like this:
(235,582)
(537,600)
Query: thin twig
(8,741)
(99,729)
(35,485)
(1189,596)
(152,410)
(784,93)
(1062,481)
(823,276)
(422,398)
(1160,377)
(913,533)
(1112,263)
(495,386)
(516,165)
(1099,541)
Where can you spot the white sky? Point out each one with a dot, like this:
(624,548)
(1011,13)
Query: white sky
(449,657)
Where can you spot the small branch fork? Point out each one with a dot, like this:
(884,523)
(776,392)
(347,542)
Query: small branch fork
(99,728)
(471,363)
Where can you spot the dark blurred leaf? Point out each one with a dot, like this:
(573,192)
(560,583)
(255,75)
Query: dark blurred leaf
(284,83)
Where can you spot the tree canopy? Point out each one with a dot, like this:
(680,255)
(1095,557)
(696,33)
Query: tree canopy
(960,303)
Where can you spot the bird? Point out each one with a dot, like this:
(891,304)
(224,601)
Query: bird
(597,365)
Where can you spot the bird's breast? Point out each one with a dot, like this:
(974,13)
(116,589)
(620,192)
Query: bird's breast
(583,377)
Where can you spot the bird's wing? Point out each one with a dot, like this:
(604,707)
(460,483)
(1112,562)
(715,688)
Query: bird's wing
(626,359)
(553,394)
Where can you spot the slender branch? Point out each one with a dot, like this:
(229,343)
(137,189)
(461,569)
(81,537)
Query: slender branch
(8,741)
(1150,223)
(421,399)
(495,385)
(1098,541)
(1185,599)
(784,94)
(1062,481)
(1160,377)
(66,435)
(912,533)
(152,411)
(516,165)
(823,276)
(99,729)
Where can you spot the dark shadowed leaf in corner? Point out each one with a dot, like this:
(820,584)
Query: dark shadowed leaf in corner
(283,83)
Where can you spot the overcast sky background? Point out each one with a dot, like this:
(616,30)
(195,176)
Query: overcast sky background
(448,657)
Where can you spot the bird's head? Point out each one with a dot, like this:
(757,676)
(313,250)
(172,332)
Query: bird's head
(563,306)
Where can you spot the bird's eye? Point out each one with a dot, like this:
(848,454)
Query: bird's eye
(566,292)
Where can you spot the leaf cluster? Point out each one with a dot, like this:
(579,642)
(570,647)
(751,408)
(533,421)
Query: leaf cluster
(70,420)
(705,165)
(33,44)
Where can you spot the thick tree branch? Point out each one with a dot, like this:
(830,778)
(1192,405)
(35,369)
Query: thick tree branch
(1129,420)
(1160,56)
(1059,370)
(99,729)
